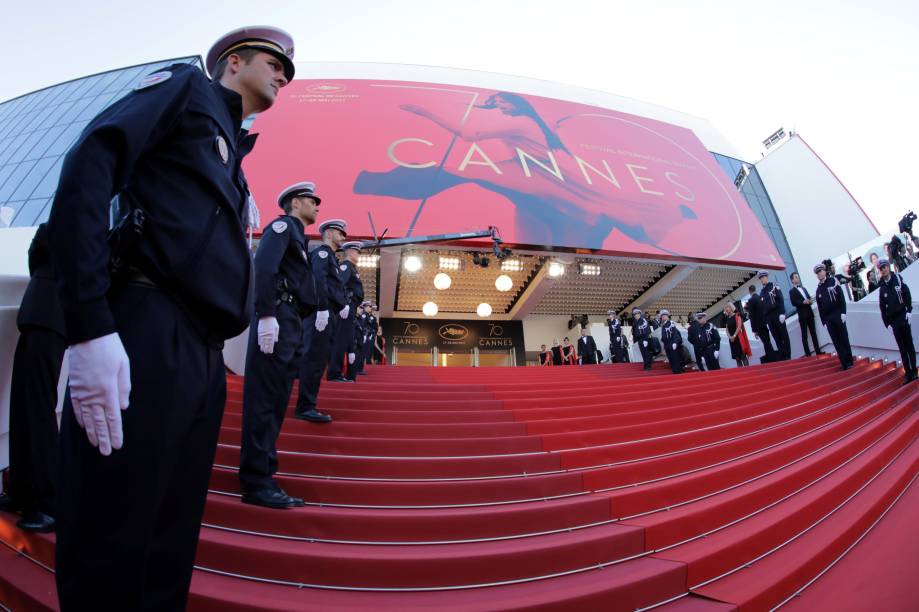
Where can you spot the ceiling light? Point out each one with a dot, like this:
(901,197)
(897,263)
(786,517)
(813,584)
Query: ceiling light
(589,269)
(429,309)
(483,310)
(367,261)
(442,281)
(412,263)
(449,263)
(556,269)
(511,265)
(504,283)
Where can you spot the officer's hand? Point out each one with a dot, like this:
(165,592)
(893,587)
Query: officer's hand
(757,335)
(268,331)
(781,318)
(343,313)
(644,343)
(716,354)
(351,358)
(322,320)
(843,317)
(674,346)
(909,317)
(100,385)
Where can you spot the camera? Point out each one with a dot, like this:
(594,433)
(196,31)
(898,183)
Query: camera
(906,223)
(856,265)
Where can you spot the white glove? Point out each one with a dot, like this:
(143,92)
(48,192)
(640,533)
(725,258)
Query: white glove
(351,358)
(268,331)
(322,320)
(909,316)
(716,354)
(781,318)
(644,343)
(673,346)
(343,313)
(100,385)
(843,317)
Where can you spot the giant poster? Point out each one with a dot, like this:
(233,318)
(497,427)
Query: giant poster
(427,158)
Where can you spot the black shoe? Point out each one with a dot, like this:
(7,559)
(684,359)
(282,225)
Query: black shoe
(313,416)
(37,522)
(295,502)
(269,498)
(7,504)
(340,379)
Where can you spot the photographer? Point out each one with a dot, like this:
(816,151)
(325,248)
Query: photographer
(906,226)
(852,272)
(896,252)
(874,276)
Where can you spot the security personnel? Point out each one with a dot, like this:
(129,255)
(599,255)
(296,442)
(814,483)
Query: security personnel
(587,348)
(33,394)
(320,327)
(616,339)
(692,335)
(758,325)
(801,300)
(344,344)
(641,333)
(361,329)
(831,303)
(773,303)
(371,325)
(896,312)
(709,342)
(672,340)
(134,474)
(285,294)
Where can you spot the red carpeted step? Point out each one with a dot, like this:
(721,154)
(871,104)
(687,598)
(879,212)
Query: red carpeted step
(416,566)
(777,576)
(24,585)
(740,543)
(694,603)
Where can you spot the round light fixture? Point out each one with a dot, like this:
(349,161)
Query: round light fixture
(429,309)
(412,263)
(504,283)
(484,310)
(442,281)
(556,269)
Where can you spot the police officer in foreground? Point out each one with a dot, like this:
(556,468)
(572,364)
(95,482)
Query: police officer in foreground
(773,304)
(33,395)
(371,324)
(757,317)
(285,294)
(897,312)
(672,340)
(641,333)
(344,342)
(147,380)
(831,303)
(709,342)
(616,344)
(320,327)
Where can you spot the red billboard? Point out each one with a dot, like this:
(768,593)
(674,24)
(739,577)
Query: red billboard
(427,158)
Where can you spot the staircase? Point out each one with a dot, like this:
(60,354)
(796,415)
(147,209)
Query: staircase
(573,488)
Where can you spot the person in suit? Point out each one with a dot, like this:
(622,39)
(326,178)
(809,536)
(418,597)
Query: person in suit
(587,348)
(802,301)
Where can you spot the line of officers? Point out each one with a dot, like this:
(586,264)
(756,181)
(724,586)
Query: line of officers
(766,309)
(312,321)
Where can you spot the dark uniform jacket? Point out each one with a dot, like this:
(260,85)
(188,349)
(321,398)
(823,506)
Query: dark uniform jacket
(330,291)
(615,332)
(641,329)
(41,306)
(670,335)
(797,300)
(354,288)
(895,299)
(709,338)
(282,269)
(831,300)
(756,313)
(773,301)
(587,349)
(173,149)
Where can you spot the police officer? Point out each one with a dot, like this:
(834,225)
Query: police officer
(672,340)
(616,344)
(321,327)
(692,335)
(134,475)
(587,348)
(344,343)
(831,303)
(757,317)
(709,342)
(285,294)
(896,312)
(33,394)
(371,324)
(773,304)
(641,333)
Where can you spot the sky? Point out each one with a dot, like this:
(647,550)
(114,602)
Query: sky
(843,74)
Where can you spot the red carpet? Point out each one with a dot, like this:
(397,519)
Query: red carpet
(598,487)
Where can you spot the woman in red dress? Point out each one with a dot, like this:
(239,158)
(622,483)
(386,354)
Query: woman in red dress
(740,345)
(569,357)
(545,356)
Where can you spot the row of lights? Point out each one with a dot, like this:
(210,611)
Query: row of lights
(556,269)
(430,309)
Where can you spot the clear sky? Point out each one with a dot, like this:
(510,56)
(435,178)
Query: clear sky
(844,74)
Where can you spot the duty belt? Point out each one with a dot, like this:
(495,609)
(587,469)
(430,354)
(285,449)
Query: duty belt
(289,298)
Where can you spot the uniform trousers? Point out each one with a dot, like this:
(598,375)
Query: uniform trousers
(317,350)
(708,356)
(903,334)
(675,357)
(780,333)
(839,334)
(341,345)
(127,524)
(266,393)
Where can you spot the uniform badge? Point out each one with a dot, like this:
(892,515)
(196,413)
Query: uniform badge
(279,226)
(342,267)
(222,150)
(323,254)
(153,79)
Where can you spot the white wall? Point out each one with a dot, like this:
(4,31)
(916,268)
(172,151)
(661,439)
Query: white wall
(819,216)
(542,329)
